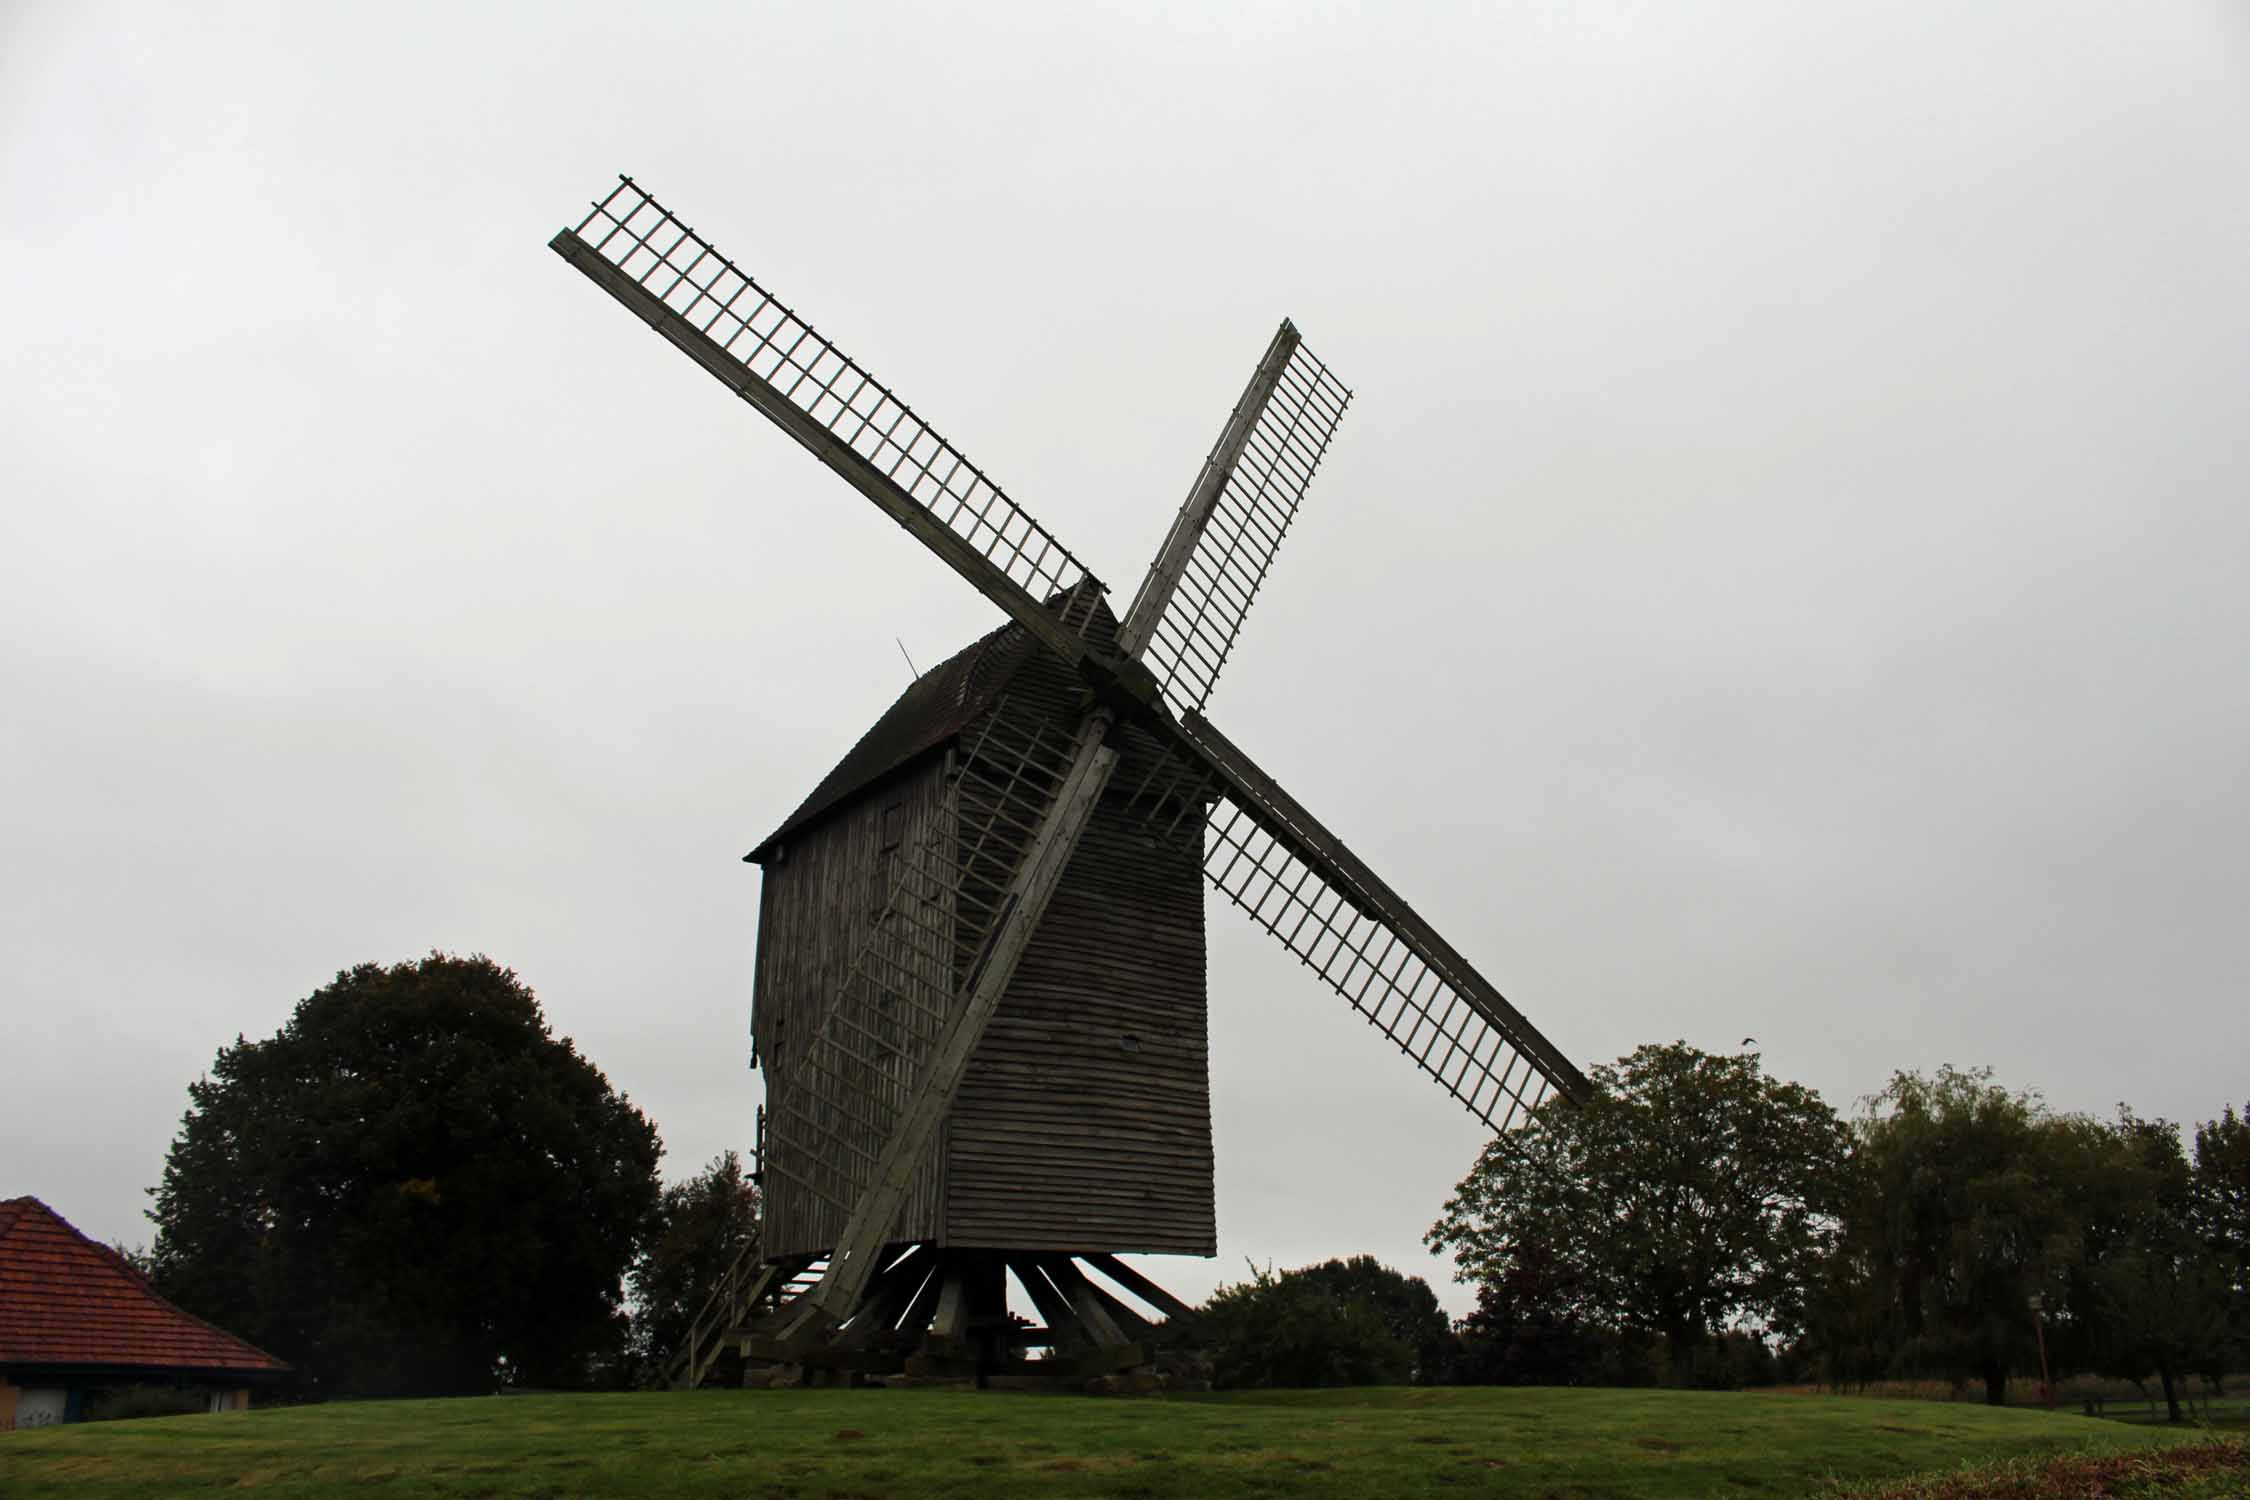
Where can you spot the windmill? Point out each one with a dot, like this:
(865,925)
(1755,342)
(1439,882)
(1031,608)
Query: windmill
(980,1006)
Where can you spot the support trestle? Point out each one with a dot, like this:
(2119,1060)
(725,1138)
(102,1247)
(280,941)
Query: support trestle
(940,1316)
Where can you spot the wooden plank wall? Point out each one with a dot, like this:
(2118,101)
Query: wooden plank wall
(1084,1122)
(817,907)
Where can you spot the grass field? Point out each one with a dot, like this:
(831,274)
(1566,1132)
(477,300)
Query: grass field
(810,1445)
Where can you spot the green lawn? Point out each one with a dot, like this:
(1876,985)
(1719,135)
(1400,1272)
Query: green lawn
(990,1447)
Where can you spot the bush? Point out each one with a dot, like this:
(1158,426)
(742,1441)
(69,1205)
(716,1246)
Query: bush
(1291,1331)
(1408,1308)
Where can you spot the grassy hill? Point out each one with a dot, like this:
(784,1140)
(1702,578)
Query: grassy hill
(935,1444)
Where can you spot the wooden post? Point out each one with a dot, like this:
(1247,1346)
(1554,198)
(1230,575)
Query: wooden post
(1291,822)
(957,553)
(1195,512)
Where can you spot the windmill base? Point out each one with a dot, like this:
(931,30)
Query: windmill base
(939,1316)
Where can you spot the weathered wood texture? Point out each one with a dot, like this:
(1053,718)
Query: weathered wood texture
(1084,1122)
(1084,1119)
(819,904)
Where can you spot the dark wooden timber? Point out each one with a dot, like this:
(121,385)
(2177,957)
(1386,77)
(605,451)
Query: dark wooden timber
(1195,512)
(824,445)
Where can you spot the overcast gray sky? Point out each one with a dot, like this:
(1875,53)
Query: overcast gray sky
(1782,574)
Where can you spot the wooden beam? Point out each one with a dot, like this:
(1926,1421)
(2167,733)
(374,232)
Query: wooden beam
(895,502)
(951,1320)
(1132,1323)
(1052,1305)
(1140,1286)
(1308,838)
(1195,512)
(1072,1283)
(923,1308)
(887,1296)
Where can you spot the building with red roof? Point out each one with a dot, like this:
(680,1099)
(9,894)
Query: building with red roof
(77,1320)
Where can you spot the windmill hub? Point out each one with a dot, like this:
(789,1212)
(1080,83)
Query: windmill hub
(980,1006)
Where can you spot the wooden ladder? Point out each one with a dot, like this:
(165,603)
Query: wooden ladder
(729,1309)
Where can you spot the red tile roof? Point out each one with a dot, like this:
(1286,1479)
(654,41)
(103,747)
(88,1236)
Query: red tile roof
(65,1300)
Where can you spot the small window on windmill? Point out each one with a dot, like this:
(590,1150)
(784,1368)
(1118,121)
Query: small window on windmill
(894,826)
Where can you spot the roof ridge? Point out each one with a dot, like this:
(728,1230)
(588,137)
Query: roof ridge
(931,712)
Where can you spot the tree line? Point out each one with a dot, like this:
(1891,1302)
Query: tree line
(1952,1227)
(1698,1222)
(415,1188)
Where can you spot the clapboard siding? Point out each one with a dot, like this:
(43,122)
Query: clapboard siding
(1061,1138)
(817,907)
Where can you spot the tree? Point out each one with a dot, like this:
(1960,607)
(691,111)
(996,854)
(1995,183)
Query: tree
(1407,1306)
(1295,1330)
(702,1226)
(1968,1201)
(1689,1190)
(136,1256)
(2222,1214)
(2222,1192)
(1530,1327)
(2150,1290)
(411,1188)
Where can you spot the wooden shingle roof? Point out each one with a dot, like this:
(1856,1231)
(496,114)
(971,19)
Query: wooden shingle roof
(66,1300)
(927,717)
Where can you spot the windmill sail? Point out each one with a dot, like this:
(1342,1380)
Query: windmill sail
(1269,855)
(640,253)
(1184,621)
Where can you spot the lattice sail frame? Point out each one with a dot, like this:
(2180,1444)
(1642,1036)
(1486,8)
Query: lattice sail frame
(1346,937)
(685,272)
(1196,633)
(909,972)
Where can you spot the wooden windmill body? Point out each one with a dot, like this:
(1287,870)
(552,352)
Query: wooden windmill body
(1083,1121)
(979,1000)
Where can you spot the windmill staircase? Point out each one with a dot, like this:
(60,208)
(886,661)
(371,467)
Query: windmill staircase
(750,1293)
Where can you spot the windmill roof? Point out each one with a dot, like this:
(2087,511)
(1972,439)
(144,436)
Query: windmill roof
(66,1300)
(933,710)
(927,717)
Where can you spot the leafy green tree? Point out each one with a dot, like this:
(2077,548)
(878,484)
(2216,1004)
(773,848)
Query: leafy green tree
(1407,1306)
(411,1188)
(1690,1190)
(1852,1326)
(2222,1191)
(1531,1327)
(2151,1293)
(1968,1202)
(1295,1330)
(2222,1216)
(702,1226)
